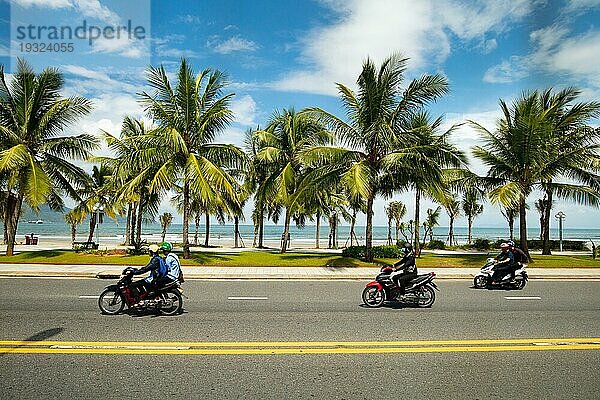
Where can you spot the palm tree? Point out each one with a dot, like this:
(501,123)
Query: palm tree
(165,221)
(540,206)
(430,159)
(396,210)
(376,123)
(280,146)
(452,207)
(521,157)
(74,218)
(510,213)
(390,214)
(32,155)
(472,209)
(431,221)
(572,147)
(189,116)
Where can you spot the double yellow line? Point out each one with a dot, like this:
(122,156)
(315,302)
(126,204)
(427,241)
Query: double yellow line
(334,347)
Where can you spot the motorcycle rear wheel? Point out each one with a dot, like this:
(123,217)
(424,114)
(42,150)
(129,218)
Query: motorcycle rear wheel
(480,281)
(426,297)
(176,303)
(373,297)
(520,283)
(110,302)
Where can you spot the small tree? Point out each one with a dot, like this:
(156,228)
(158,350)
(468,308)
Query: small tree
(165,221)
(471,208)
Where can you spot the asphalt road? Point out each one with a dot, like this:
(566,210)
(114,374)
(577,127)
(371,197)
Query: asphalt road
(287,312)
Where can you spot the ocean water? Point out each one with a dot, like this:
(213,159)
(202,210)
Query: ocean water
(114,232)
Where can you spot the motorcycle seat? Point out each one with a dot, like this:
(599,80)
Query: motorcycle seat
(418,279)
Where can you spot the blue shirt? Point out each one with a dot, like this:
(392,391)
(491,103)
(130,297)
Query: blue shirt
(173,266)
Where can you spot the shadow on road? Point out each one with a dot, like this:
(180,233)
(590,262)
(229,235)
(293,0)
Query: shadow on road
(38,337)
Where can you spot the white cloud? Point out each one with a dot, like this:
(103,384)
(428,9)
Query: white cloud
(44,3)
(233,44)
(420,30)
(244,110)
(93,9)
(555,52)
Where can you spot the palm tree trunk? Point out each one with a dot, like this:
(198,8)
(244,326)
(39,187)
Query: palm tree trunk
(470,222)
(352,224)
(389,238)
(197,226)
(523,228)
(416,227)
(186,219)
(511,227)
(128,226)
(140,210)
(236,223)
(334,243)
(92,227)
(207,229)
(261,228)
(133,223)
(548,209)
(451,232)
(13,212)
(286,231)
(73,233)
(318,234)
(369,229)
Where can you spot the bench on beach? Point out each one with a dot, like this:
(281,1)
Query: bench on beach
(85,246)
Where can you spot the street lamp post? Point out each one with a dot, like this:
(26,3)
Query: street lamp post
(560,216)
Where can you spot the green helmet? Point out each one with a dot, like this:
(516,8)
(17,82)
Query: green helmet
(166,246)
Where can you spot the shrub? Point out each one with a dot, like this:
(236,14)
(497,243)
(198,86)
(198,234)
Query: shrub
(435,244)
(536,244)
(378,252)
(481,244)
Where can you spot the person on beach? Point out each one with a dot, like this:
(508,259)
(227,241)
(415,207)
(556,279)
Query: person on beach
(172,262)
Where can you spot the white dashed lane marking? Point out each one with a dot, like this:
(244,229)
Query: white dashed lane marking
(523,298)
(246,298)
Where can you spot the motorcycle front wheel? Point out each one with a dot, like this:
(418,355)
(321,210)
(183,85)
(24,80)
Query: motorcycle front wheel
(520,283)
(373,297)
(172,303)
(110,302)
(426,296)
(480,281)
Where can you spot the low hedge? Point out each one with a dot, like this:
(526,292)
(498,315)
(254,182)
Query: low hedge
(378,252)
(571,245)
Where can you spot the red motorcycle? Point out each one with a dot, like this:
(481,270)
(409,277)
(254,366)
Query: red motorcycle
(167,300)
(419,291)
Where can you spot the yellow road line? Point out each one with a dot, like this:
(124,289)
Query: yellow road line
(307,350)
(337,347)
(302,344)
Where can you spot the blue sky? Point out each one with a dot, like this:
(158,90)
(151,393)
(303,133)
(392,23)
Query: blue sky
(281,54)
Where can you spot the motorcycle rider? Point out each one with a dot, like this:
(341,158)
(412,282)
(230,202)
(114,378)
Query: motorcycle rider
(405,269)
(505,261)
(172,262)
(157,268)
(520,258)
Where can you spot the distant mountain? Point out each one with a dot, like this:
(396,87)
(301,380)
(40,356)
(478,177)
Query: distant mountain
(45,214)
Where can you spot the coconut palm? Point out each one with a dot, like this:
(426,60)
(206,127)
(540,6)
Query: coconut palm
(510,213)
(431,221)
(165,221)
(375,124)
(521,157)
(280,147)
(472,209)
(33,158)
(74,218)
(189,116)
(573,151)
(452,207)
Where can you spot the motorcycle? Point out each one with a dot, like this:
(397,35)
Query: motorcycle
(419,291)
(484,277)
(167,300)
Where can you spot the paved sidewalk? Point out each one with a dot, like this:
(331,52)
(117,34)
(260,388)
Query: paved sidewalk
(113,272)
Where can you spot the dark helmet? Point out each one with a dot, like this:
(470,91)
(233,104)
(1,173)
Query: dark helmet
(510,243)
(407,248)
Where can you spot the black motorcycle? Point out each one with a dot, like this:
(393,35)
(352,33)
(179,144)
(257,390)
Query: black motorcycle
(419,291)
(167,299)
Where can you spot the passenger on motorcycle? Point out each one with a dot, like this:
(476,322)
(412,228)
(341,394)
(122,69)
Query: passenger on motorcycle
(405,269)
(520,258)
(505,262)
(172,262)
(157,268)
